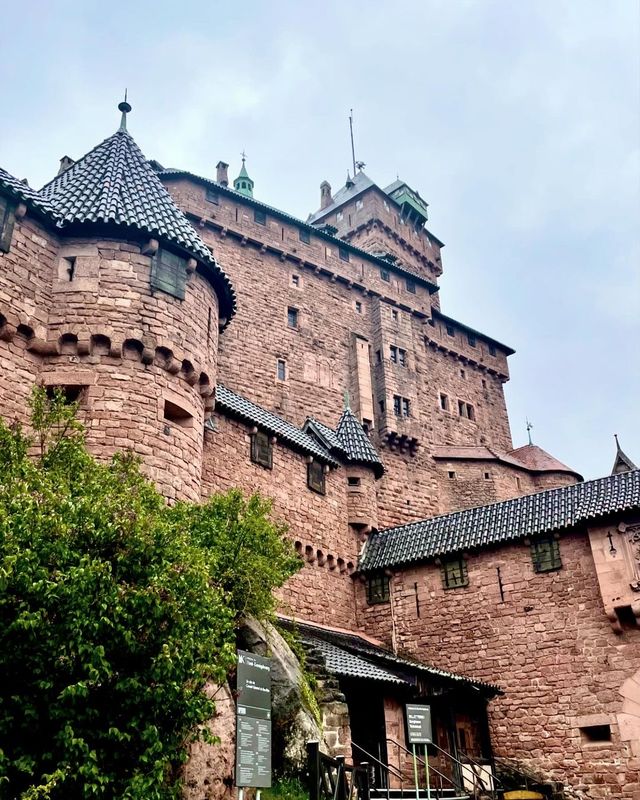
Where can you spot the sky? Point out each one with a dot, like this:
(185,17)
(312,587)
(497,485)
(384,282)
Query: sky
(518,122)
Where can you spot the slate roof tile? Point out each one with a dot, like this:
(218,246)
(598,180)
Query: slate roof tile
(239,407)
(21,191)
(498,523)
(356,443)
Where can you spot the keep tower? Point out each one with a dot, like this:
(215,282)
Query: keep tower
(129,305)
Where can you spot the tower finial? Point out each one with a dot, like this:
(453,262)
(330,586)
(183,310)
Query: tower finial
(529,427)
(125,108)
(615,436)
(243,182)
(347,403)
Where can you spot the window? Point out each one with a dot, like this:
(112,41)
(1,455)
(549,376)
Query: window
(7,220)
(444,402)
(377,589)
(304,236)
(591,734)
(454,573)
(451,474)
(471,413)
(401,406)
(339,216)
(471,339)
(379,356)
(359,204)
(394,315)
(393,354)
(545,554)
(292,317)
(411,286)
(212,197)
(295,281)
(259,216)
(343,253)
(487,476)
(262,449)
(402,357)
(315,477)
(450,330)
(358,307)
(492,349)
(385,274)
(67,268)
(68,394)
(462,408)
(169,273)
(381,405)
(463,374)
(353,481)
(176,415)
(281,370)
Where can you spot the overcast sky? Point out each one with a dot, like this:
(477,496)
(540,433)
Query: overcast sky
(518,121)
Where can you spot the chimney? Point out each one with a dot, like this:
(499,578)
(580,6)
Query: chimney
(325,195)
(221,173)
(65,163)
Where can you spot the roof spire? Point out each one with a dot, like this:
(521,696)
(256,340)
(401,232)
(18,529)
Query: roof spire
(347,403)
(529,427)
(125,108)
(243,182)
(622,463)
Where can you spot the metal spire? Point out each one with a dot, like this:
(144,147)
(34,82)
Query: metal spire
(529,427)
(347,403)
(125,108)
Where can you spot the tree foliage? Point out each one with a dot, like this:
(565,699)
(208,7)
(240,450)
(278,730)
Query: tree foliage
(115,611)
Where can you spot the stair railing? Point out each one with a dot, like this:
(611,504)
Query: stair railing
(474,763)
(334,779)
(433,770)
(387,768)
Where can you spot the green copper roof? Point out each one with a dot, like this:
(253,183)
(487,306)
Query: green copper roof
(243,182)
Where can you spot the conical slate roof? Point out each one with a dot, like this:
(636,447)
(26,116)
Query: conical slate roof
(355,442)
(114,184)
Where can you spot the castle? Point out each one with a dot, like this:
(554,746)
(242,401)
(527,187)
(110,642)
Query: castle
(229,343)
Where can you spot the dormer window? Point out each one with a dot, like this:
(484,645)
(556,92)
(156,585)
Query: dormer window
(7,220)
(169,273)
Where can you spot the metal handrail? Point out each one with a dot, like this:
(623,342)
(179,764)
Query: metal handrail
(388,767)
(433,769)
(473,761)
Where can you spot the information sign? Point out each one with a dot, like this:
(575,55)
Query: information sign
(419,724)
(253,721)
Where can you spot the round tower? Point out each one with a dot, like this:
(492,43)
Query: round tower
(136,302)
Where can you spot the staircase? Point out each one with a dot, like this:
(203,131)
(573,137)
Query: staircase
(408,793)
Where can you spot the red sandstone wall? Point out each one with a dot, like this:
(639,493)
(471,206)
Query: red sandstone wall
(323,591)
(549,646)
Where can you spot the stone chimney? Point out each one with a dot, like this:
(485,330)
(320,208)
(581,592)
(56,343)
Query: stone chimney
(325,195)
(65,163)
(222,177)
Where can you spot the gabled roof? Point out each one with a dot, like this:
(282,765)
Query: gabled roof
(237,406)
(350,655)
(622,462)
(354,187)
(499,523)
(538,460)
(327,435)
(21,191)
(353,438)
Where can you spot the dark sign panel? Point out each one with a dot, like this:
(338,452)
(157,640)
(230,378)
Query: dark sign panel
(419,724)
(253,729)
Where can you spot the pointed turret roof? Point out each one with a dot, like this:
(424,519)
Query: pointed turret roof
(115,185)
(355,442)
(243,183)
(622,462)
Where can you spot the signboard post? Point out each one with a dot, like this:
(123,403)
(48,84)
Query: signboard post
(419,732)
(253,722)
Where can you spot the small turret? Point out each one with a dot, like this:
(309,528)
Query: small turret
(243,182)
(325,195)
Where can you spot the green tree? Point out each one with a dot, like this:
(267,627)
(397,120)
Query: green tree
(115,611)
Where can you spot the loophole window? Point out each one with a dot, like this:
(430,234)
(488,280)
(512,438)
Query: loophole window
(454,573)
(169,273)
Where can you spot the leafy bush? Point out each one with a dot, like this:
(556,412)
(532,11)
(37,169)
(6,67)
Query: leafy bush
(115,610)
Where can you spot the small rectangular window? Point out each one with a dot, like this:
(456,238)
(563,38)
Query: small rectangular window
(176,415)
(487,476)
(592,734)
(295,281)
(471,338)
(545,554)
(379,356)
(393,354)
(281,370)
(358,307)
(212,196)
(259,216)
(394,315)
(385,274)
(7,220)
(471,413)
(68,394)
(359,204)
(401,406)
(402,357)
(454,573)
(451,474)
(450,330)
(169,273)
(339,216)
(315,477)
(381,405)
(262,449)
(343,253)
(353,481)
(405,407)
(444,402)
(492,349)
(462,408)
(304,236)
(411,286)
(463,374)
(292,317)
(377,589)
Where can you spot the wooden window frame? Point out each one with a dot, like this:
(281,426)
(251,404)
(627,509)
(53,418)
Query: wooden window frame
(304,236)
(411,285)
(385,275)
(377,587)
(454,573)
(545,554)
(316,477)
(259,216)
(169,273)
(343,254)
(262,449)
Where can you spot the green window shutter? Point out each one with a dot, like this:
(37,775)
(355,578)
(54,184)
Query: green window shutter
(169,273)
(454,573)
(545,554)
(7,220)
